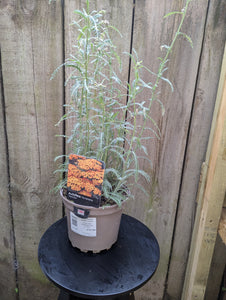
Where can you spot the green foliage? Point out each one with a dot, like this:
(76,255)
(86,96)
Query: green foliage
(105,124)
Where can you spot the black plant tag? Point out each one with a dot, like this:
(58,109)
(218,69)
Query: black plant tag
(85,179)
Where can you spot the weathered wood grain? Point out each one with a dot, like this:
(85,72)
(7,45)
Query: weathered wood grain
(150,32)
(31,41)
(8,283)
(210,201)
(216,270)
(204,99)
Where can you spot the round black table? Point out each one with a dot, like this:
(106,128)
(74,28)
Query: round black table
(111,274)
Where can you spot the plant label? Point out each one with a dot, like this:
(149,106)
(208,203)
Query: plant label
(85,179)
(85,227)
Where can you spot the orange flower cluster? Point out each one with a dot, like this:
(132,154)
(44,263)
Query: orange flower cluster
(85,175)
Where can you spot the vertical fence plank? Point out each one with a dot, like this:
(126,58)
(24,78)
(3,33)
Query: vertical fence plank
(210,200)
(150,32)
(7,284)
(214,283)
(204,100)
(31,41)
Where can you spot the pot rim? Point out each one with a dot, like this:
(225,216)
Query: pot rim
(70,202)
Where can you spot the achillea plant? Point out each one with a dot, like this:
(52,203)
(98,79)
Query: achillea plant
(104,127)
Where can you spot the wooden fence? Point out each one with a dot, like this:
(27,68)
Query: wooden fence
(35,37)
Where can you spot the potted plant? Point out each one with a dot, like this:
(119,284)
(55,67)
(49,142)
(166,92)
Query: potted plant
(104,126)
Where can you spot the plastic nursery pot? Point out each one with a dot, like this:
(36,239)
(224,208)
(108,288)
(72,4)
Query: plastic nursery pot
(90,228)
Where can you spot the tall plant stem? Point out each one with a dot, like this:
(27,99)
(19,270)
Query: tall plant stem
(86,85)
(163,63)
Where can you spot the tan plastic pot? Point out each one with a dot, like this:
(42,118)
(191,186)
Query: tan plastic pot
(98,231)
